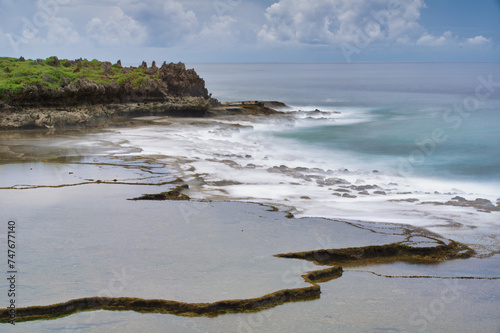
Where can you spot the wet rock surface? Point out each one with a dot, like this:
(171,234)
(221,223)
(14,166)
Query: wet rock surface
(175,194)
(247,108)
(481,205)
(385,253)
(163,306)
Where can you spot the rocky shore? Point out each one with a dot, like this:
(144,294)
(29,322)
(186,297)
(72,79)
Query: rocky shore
(57,93)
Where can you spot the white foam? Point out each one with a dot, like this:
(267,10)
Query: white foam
(258,166)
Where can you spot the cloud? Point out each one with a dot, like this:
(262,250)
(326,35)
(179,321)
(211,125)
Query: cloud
(43,29)
(167,21)
(478,40)
(61,32)
(354,24)
(340,21)
(117,29)
(178,18)
(429,40)
(220,28)
(447,39)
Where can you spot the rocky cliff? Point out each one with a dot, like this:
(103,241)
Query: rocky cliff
(56,93)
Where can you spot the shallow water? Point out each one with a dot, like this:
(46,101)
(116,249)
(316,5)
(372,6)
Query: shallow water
(79,236)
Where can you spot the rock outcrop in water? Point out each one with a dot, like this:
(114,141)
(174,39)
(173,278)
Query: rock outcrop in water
(56,93)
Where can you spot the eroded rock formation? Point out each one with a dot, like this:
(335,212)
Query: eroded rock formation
(169,90)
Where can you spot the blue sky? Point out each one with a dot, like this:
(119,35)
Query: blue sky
(252,31)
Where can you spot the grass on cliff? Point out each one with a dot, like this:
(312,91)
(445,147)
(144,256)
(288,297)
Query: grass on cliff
(16,74)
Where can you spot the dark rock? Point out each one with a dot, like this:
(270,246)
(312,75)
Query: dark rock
(240,108)
(119,63)
(174,194)
(21,59)
(107,70)
(65,81)
(323,275)
(481,205)
(363,187)
(405,200)
(332,181)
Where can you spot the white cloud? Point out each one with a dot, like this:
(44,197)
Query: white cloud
(61,32)
(219,28)
(340,21)
(178,17)
(167,21)
(43,30)
(354,24)
(478,40)
(117,29)
(429,40)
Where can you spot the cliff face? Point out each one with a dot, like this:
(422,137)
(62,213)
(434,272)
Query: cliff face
(159,84)
(54,93)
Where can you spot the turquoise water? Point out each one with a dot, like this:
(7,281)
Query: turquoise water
(427,119)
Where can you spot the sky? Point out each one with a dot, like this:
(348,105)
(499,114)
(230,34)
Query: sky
(252,30)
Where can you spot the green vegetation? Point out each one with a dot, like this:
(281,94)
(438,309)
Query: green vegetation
(16,74)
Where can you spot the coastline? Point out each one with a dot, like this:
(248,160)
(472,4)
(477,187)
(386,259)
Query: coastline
(101,115)
(221,220)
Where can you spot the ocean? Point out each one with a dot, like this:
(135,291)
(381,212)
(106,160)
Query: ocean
(382,142)
(386,111)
